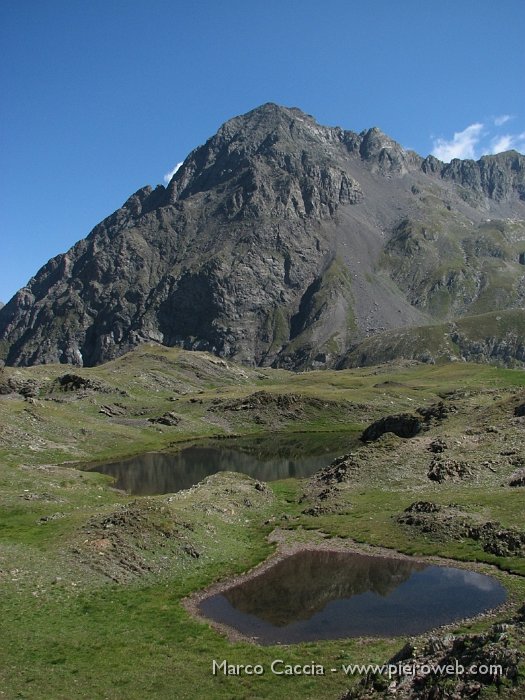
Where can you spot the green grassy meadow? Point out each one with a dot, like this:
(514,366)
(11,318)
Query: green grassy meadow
(92,578)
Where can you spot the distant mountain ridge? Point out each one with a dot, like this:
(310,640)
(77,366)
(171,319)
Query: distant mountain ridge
(282,242)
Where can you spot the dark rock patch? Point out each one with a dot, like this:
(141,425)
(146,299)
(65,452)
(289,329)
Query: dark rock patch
(441,470)
(329,509)
(498,540)
(423,507)
(74,382)
(47,497)
(49,518)
(518,461)
(518,478)
(519,411)
(338,471)
(169,418)
(323,489)
(437,411)
(268,408)
(438,445)
(113,410)
(403,425)
(406,425)
(28,388)
(190,549)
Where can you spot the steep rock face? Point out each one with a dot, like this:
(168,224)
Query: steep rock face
(280,241)
(500,177)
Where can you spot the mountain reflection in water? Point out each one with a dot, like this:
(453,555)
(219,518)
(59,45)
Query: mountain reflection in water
(268,458)
(320,594)
(302,584)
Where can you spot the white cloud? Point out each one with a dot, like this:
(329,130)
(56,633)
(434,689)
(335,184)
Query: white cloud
(479,139)
(506,142)
(168,176)
(502,119)
(462,145)
(502,143)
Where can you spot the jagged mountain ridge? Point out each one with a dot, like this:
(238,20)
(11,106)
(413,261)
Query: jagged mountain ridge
(282,242)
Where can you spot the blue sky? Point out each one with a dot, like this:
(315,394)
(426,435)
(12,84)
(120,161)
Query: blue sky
(102,97)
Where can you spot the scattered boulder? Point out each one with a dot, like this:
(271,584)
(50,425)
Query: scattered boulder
(438,445)
(324,488)
(519,411)
(113,410)
(441,470)
(423,507)
(437,411)
(518,478)
(169,418)
(338,471)
(190,549)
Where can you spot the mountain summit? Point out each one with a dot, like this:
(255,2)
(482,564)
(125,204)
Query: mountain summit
(282,242)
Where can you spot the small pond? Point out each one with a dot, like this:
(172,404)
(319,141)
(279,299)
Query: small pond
(267,457)
(313,595)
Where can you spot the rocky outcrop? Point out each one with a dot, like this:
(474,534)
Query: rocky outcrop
(277,242)
(437,446)
(497,177)
(28,388)
(519,411)
(416,678)
(403,425)
(447,522)
(169,418)
(74,382)
(437,411)
(442,469)
(517,478)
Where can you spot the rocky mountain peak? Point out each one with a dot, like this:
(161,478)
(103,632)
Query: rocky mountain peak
(382,152)
(281,242)
(273,157)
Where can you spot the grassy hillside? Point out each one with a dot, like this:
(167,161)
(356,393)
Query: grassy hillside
(496,338)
